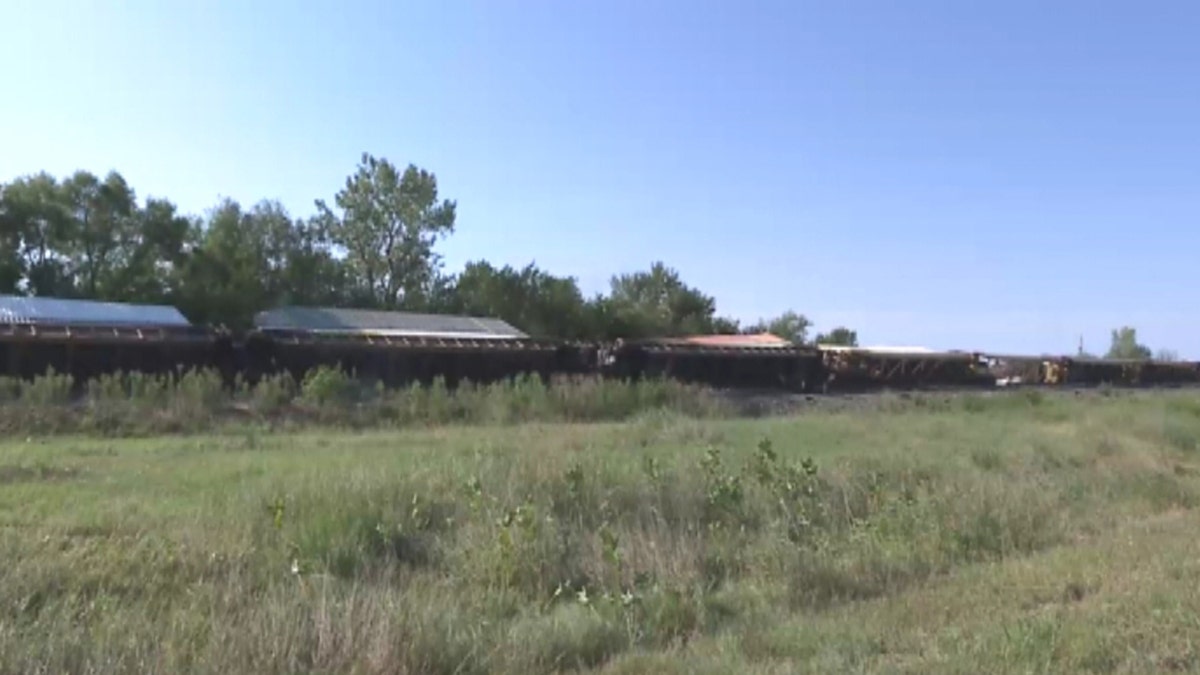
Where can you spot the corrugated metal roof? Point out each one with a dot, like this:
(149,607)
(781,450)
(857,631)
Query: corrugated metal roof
(15,309)
(333,320)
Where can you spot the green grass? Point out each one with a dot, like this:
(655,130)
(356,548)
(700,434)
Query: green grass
(135,404)
(983,534)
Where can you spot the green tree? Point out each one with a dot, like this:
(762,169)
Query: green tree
(388,226)
(243,261)
(838,336)
(1126,346)
(535,301)
(12,242)
(232,271)
(101,231)
(224,279)
(36,220)
(605,320)
(723,325)
(790,325)
(87,236)
(656,303)
(309,273)
(156,256)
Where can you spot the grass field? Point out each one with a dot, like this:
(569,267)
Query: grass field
(1020,533)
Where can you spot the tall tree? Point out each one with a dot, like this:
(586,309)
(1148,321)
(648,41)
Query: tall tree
(36,216)
(388,225)
(246,260)
(102,230)
(724,325)
(841,336)
(1126,346)
(309,273)
(790,325)
(605,320)
(232,270)
(658,303)
(531,299)
(12,231)
(157,255)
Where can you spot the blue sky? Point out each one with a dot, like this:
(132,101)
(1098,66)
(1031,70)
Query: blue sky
(1003,176)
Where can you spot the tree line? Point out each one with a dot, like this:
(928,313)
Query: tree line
(375,247)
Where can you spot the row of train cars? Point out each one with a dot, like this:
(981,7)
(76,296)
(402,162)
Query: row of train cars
(87,351)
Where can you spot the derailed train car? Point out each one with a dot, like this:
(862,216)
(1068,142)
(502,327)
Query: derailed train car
(1011,371)
(1084,371)
(726,361)
(398,361)
(865,369)
(88,352)
(1169,373)
(86,340)
(399,349)
(1080,371)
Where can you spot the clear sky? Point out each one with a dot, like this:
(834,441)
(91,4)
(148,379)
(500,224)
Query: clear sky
(1004,176)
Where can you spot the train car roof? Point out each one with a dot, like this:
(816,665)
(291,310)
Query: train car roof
(385,324)
(19,310)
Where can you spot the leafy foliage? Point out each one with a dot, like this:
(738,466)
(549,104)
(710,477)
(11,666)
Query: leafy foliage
(389,224)
(90,236)
(838,336)
(1126,346)
(540,303)
(790,325)
(658,302)
(375,247)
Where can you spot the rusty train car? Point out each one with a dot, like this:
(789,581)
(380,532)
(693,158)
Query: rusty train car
(399,361)
(89,351)
(37,336)
(716,360)
(858,369)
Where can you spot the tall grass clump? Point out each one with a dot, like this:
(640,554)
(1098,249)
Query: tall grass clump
(196,400)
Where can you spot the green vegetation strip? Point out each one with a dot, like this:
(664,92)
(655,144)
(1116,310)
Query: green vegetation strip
(1017,534)
(137,404)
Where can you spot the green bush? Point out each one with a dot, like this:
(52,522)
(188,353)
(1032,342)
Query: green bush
(328,385)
